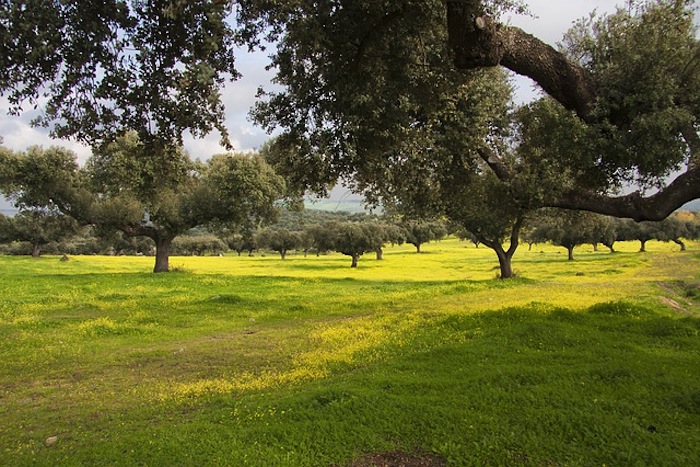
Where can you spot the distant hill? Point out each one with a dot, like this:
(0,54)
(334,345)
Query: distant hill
(340,198)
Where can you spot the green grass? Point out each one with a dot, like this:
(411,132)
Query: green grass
(257,361)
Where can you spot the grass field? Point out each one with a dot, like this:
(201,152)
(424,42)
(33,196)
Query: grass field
(306,362)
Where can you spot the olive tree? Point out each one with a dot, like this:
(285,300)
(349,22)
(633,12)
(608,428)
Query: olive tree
(360,80)
(163,195)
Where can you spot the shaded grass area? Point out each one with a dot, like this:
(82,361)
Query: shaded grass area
(569,365)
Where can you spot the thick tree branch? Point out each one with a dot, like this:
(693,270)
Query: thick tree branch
(685,188)
(656,207)
(478,41)
(495,163)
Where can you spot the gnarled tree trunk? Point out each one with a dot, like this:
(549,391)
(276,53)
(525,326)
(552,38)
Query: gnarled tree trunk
(505,257)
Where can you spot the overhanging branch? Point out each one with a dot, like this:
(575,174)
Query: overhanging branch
(479,41)
(656,207)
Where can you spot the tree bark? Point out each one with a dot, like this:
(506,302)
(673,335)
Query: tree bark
(163,244)
(417,245)
(570,251)
(479,41)
(505,263)
(380,254)
(685,188)
(643,246)
(355,259)
(283,254)
(36,250)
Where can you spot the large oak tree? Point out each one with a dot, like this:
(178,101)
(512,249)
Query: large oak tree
(359,77)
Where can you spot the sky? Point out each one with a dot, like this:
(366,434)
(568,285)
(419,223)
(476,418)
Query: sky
(550,19)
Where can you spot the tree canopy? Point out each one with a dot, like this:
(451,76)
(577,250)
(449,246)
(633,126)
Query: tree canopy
(163,195)
(363,81)
(364,84)
(100,69)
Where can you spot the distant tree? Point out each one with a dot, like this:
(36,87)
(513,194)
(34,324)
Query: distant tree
(40,228)
(673,229)
(243,241)
(40,178)
(279,240)
(604,232)
(565,228)
(421,232)
(466,235)
(125,187)
(349,238)
(641,231)
(387,233)
(198,245)
(486,208)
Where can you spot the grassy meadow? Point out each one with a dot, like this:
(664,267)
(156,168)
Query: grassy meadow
(307,362)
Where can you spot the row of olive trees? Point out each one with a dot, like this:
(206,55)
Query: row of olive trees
(570,229)
(351,238)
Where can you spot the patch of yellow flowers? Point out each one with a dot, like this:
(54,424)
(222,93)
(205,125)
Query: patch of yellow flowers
(349,342)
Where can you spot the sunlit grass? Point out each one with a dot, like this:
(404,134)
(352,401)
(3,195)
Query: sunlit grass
(235,360)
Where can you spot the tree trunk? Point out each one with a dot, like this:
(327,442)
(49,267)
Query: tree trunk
(595,246)
(36,250)
(570,250)
(680,243)
(162,253)
(380,254)
(505,258)
(283,254)
(505,262)
(417,245)
(355,258)
(643,246)
(610,247)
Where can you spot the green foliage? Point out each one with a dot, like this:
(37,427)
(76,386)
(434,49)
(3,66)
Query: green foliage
(103,69)
(40,228)
(164,194)
(420,232)
(279,240)
(40,178)
(350,238)
(564,228)
(186,245)
(644,61)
